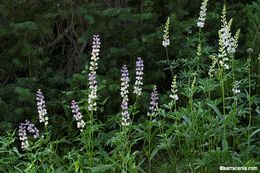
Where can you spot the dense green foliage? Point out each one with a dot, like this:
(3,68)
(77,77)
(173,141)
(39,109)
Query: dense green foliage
(47,44)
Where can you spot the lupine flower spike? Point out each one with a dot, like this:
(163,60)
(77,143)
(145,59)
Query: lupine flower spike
(139,76)
(198,52)
(124,94)
(42,111)
(227,43)
(234,45)
(202,17)
(174,89)
(223,59)
(166,40)
(25,127)
(92,76)
(77,115)
(154,102)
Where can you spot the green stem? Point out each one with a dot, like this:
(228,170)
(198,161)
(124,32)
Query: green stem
(134,108)
(175,106)
(249,90)
(192,93)
(149,149)
(234,80)
(128,147)
(223,92)
(191,102)
(199,58)
(199,35)
(168,60)
(249,102)
(223,100)
(91,137)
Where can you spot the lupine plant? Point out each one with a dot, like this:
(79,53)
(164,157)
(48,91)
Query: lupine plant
(202,17)
(42,111)
(24,128)
(77,115)
(208,118)
(124,94)
(139,76)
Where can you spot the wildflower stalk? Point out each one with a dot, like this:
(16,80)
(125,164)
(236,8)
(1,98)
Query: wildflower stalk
(152,114)
(139,72)
(92,96)
(127,149)
(202,17)
(198,57)
(233,69)
(125,121)
(249,90)
(149,140)
(234,80)
(138,77)
(224,42)
(192,93)
(24,128)
(233,47)
(249,100)
(174,96)
(223,100)
(41,107)
(168,60)
(236,91)
(223,91)
(77,115)
(92,75)
(200,31)
(166,42)
(212,69)
(153,103)
(201,24)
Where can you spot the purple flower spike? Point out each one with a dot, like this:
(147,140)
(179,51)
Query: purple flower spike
(92,76)
(42,111)
(124,95)
(25,127)
(139,76)
(154,102)
(77,115)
